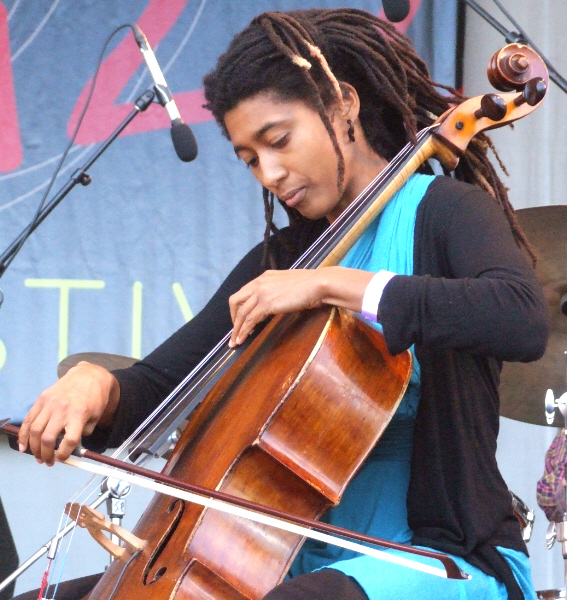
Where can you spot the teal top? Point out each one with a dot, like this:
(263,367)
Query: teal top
(387,244)
(375,500)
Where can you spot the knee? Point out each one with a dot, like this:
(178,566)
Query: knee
(327,584)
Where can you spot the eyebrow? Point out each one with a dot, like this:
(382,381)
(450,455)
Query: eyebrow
(259,133)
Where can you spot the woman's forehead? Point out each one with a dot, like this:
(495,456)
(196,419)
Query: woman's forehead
(254,116)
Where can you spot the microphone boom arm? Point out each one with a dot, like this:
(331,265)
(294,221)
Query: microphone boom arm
(79,176)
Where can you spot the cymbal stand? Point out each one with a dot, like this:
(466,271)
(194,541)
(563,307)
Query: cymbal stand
(557,531)
(551,404)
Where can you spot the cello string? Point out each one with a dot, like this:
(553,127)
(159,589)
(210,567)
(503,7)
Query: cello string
(63,560)
(63,521)
(210,364)
(220,353)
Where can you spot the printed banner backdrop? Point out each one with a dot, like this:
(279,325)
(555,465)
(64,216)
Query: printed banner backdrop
(121,264)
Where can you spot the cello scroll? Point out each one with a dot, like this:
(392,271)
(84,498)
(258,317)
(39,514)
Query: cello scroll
(515,69)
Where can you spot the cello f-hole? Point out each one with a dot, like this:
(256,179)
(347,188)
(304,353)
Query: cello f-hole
(151,575)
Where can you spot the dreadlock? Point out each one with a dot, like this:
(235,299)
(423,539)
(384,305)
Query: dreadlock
(304,55)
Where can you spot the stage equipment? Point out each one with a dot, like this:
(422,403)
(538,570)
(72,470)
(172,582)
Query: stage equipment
(524,386)
(304,437)
(102,359)
(396,10)
(183,139)
(8,554)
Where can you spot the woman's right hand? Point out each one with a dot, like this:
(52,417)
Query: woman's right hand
(85,396)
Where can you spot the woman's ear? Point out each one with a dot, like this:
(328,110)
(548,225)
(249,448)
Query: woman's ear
(351,101)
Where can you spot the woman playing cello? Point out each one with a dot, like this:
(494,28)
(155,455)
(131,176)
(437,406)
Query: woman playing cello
(315,104)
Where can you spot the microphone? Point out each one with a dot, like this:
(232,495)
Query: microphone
(183,139)
(396,10)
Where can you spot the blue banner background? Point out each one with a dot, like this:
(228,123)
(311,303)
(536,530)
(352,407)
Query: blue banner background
(124,262)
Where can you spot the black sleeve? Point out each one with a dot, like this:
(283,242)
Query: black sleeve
(473,290)
(144,385)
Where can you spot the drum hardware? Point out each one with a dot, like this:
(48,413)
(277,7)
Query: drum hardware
(550,535)
(557,532)
(525,516)
(113,491)
(524,386)
(102,359)
(551,404)
(550,594)
(117,491)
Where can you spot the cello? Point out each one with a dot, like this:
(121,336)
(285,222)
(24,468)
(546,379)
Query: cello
(296,449)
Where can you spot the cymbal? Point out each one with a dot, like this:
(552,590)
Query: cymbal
(523,385)
(102,359)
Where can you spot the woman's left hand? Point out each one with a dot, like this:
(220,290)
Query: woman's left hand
(276,292)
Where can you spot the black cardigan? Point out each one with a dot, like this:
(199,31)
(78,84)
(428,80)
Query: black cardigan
(472,302)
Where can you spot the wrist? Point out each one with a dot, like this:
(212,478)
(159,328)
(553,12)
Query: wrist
(106,388)
(373,295)
(107,417)
(343,287)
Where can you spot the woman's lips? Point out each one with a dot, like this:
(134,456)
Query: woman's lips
(294,197)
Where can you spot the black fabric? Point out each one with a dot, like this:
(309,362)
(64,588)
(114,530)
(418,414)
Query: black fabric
(327,584)
(472,302)
(152,379)
(8,554)
(75,589)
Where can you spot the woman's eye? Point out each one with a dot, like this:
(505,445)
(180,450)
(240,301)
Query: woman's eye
(281,142)
(252,162)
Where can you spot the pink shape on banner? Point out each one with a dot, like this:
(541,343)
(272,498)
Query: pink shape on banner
(403,25)
(12,153)
(104,114)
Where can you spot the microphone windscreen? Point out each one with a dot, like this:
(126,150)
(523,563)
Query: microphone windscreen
(184,141)
(396,10)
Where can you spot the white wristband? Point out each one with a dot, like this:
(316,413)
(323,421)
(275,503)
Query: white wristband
(373,294)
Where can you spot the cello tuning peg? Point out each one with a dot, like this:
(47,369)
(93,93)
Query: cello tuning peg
(491,106)
(533,92)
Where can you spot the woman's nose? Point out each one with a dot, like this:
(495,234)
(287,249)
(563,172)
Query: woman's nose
(272,174)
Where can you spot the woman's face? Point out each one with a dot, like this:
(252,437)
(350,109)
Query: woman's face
(289,151)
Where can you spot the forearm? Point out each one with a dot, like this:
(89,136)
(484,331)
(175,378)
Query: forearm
(502,316)
(343,287)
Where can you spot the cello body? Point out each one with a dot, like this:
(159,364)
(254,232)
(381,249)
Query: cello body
(288,426)
(295,416)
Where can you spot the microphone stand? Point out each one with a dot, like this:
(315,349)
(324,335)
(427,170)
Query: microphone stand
(79,176)
(513,37)
(50,547)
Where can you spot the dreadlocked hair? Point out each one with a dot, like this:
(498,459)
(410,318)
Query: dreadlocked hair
(305,55)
